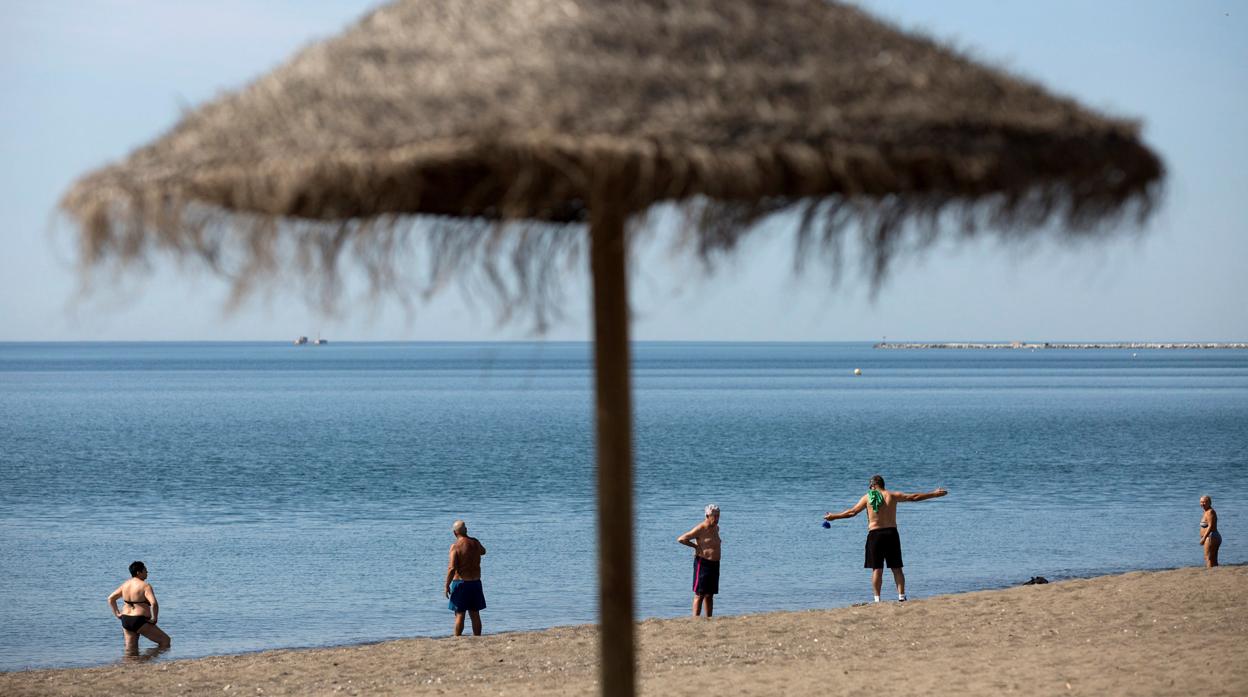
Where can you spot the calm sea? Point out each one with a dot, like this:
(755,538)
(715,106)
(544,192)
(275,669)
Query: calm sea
(290,496)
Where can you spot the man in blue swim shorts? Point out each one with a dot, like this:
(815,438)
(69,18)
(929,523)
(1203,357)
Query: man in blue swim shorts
(463,579)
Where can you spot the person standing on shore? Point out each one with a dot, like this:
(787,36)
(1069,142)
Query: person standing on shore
(1210,538)
(883,541)
(463,579)
(139,616)
(704,539)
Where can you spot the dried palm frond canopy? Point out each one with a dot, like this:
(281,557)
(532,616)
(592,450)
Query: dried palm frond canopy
(514,110)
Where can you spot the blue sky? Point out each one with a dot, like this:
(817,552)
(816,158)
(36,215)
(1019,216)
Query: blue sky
(84,82)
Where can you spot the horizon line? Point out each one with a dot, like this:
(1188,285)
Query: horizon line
(540,340)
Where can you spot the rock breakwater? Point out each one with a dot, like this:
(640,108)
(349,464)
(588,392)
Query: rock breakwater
(1023,345)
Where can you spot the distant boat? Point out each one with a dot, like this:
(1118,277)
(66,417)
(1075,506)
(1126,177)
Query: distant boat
(303,340)
(320,342)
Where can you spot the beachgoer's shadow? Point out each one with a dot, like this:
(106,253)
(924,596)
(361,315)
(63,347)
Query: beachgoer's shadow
(143,656)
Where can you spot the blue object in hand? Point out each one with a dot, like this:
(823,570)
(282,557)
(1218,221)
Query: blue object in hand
(826,524)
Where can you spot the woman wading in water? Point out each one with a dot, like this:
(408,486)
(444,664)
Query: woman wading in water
(1210,538)
(140,612)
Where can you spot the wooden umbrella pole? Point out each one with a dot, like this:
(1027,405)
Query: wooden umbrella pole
(608,264)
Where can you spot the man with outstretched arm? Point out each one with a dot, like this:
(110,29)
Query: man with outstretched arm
(883,542)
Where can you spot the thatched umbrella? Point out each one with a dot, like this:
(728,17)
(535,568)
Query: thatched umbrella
(529,118)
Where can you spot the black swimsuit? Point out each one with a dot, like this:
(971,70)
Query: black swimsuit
(132,623)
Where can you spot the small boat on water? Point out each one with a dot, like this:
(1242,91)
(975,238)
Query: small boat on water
(302,340)
(320,342)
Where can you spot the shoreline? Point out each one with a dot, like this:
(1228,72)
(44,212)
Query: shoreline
(1170,632)
(144,644)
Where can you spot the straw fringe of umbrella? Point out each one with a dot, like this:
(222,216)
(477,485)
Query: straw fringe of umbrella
(733,112)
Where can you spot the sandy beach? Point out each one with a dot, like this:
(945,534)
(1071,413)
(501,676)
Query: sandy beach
(1142,633)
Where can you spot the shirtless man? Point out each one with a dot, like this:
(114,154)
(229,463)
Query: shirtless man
(704,539)
(463,579)
(141,611)
(1210,538)
(883,542)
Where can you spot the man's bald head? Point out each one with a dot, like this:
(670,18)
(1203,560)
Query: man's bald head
(459,527)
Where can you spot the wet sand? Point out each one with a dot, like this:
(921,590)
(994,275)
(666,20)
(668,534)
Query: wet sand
(1179,632)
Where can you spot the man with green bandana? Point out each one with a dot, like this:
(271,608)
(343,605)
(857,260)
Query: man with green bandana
(883,542)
